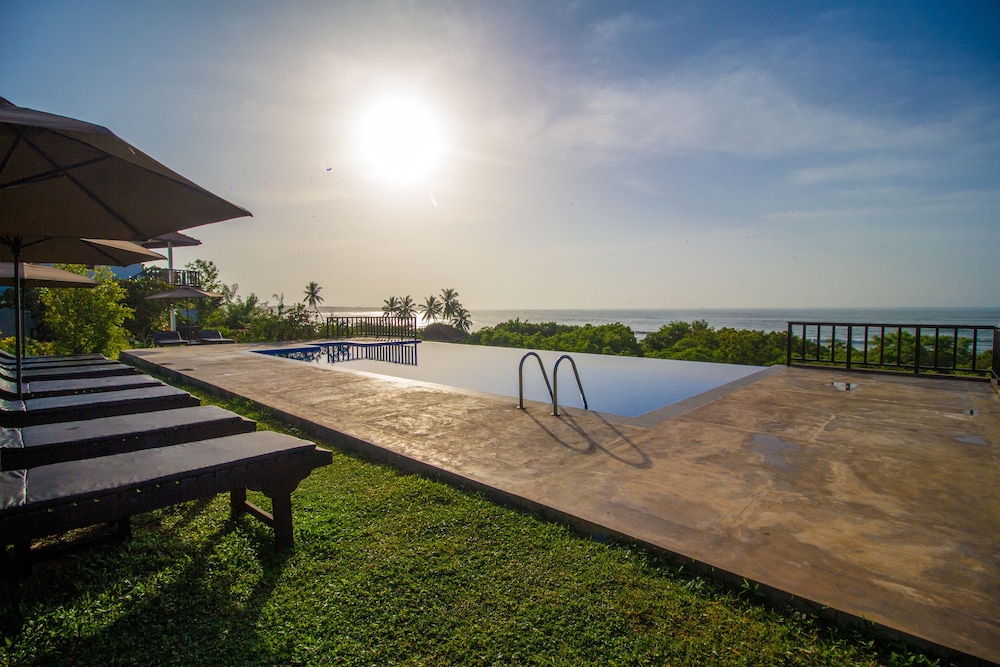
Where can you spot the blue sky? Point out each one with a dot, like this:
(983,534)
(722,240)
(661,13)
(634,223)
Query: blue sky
(592,154)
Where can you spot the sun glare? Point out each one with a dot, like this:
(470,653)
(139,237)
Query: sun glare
(400,140)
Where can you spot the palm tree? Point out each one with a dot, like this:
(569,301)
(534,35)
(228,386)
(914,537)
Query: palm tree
(450,304)
(431,308)
(313,299)
(462,319)
(405,307)
(390,306)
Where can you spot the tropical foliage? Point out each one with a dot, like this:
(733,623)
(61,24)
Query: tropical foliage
(615,339)
(87,320)
(696,341)
(447,308)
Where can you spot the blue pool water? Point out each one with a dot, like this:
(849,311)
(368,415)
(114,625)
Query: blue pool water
(624,386)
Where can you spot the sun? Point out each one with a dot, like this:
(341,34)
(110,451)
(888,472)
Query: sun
(400,140)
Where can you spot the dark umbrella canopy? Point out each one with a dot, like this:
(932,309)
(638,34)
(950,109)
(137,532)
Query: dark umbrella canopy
(65,177)
(93,252)
(171,240)
(187,292)
(37,275)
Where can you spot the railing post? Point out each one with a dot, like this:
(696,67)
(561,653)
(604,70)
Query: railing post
(996,354)
(788,346)
(850,343)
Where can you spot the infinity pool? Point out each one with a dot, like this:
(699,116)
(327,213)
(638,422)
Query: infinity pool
(624,386)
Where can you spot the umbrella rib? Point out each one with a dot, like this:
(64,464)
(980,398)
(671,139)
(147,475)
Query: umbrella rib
(49,175)
(10,151)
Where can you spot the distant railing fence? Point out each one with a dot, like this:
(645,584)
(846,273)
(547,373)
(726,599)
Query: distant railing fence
(338,327)
(176,277)
(972,351)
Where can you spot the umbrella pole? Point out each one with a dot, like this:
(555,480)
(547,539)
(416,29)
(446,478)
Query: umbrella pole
(18,320)
(170,277)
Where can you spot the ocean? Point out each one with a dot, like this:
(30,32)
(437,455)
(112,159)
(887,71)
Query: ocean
(643,321)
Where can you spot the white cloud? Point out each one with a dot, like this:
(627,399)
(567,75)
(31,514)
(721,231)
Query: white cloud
(610,32)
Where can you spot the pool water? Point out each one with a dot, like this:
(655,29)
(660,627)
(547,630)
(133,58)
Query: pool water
(624,386)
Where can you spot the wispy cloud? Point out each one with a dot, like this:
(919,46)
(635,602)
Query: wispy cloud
(610,33)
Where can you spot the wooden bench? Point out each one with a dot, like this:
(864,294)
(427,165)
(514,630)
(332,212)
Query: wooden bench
(69,387)
(32,411)
(31,373)
(168,338)
(45,444)
(56,498)
(213,337)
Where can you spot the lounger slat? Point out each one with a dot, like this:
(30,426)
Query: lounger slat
(56,362)
(46,388)
(45,444)
(70,372)
(33,411)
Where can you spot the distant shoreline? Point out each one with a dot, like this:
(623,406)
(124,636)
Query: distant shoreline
(646,320)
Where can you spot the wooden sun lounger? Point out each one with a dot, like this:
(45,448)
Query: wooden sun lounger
(56,498)
(56,362)
(8,357)
(168,338)
(213,337)
(45,444)
(33,411)
(68,372)
(46,388)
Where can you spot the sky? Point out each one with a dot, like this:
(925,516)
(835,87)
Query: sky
(556,154)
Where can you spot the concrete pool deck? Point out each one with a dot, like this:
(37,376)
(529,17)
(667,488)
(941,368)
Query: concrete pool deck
(879,502)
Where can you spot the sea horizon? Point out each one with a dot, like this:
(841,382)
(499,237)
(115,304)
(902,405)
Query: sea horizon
(643,321)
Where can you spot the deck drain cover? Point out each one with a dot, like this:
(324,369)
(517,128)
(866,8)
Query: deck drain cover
(844,386)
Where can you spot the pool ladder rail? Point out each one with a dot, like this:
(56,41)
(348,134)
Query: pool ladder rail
(554,387)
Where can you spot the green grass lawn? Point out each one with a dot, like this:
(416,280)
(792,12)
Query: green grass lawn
(394,569)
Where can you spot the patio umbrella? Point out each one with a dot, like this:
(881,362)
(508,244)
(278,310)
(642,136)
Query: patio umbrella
(186,292)
(171,241)
(65,178)
(37,275)
(93,252)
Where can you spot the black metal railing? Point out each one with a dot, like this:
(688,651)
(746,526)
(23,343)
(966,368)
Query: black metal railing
(175,277)
(972,351)
(398,352)
(340,327)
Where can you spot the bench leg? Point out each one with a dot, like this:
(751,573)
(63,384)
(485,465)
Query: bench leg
(237,502)
(279,518)
(281,510)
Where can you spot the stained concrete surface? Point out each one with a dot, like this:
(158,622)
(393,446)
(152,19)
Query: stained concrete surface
(875,502)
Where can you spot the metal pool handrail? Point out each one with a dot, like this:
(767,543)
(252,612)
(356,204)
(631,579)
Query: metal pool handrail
(555,384)
(520,378)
